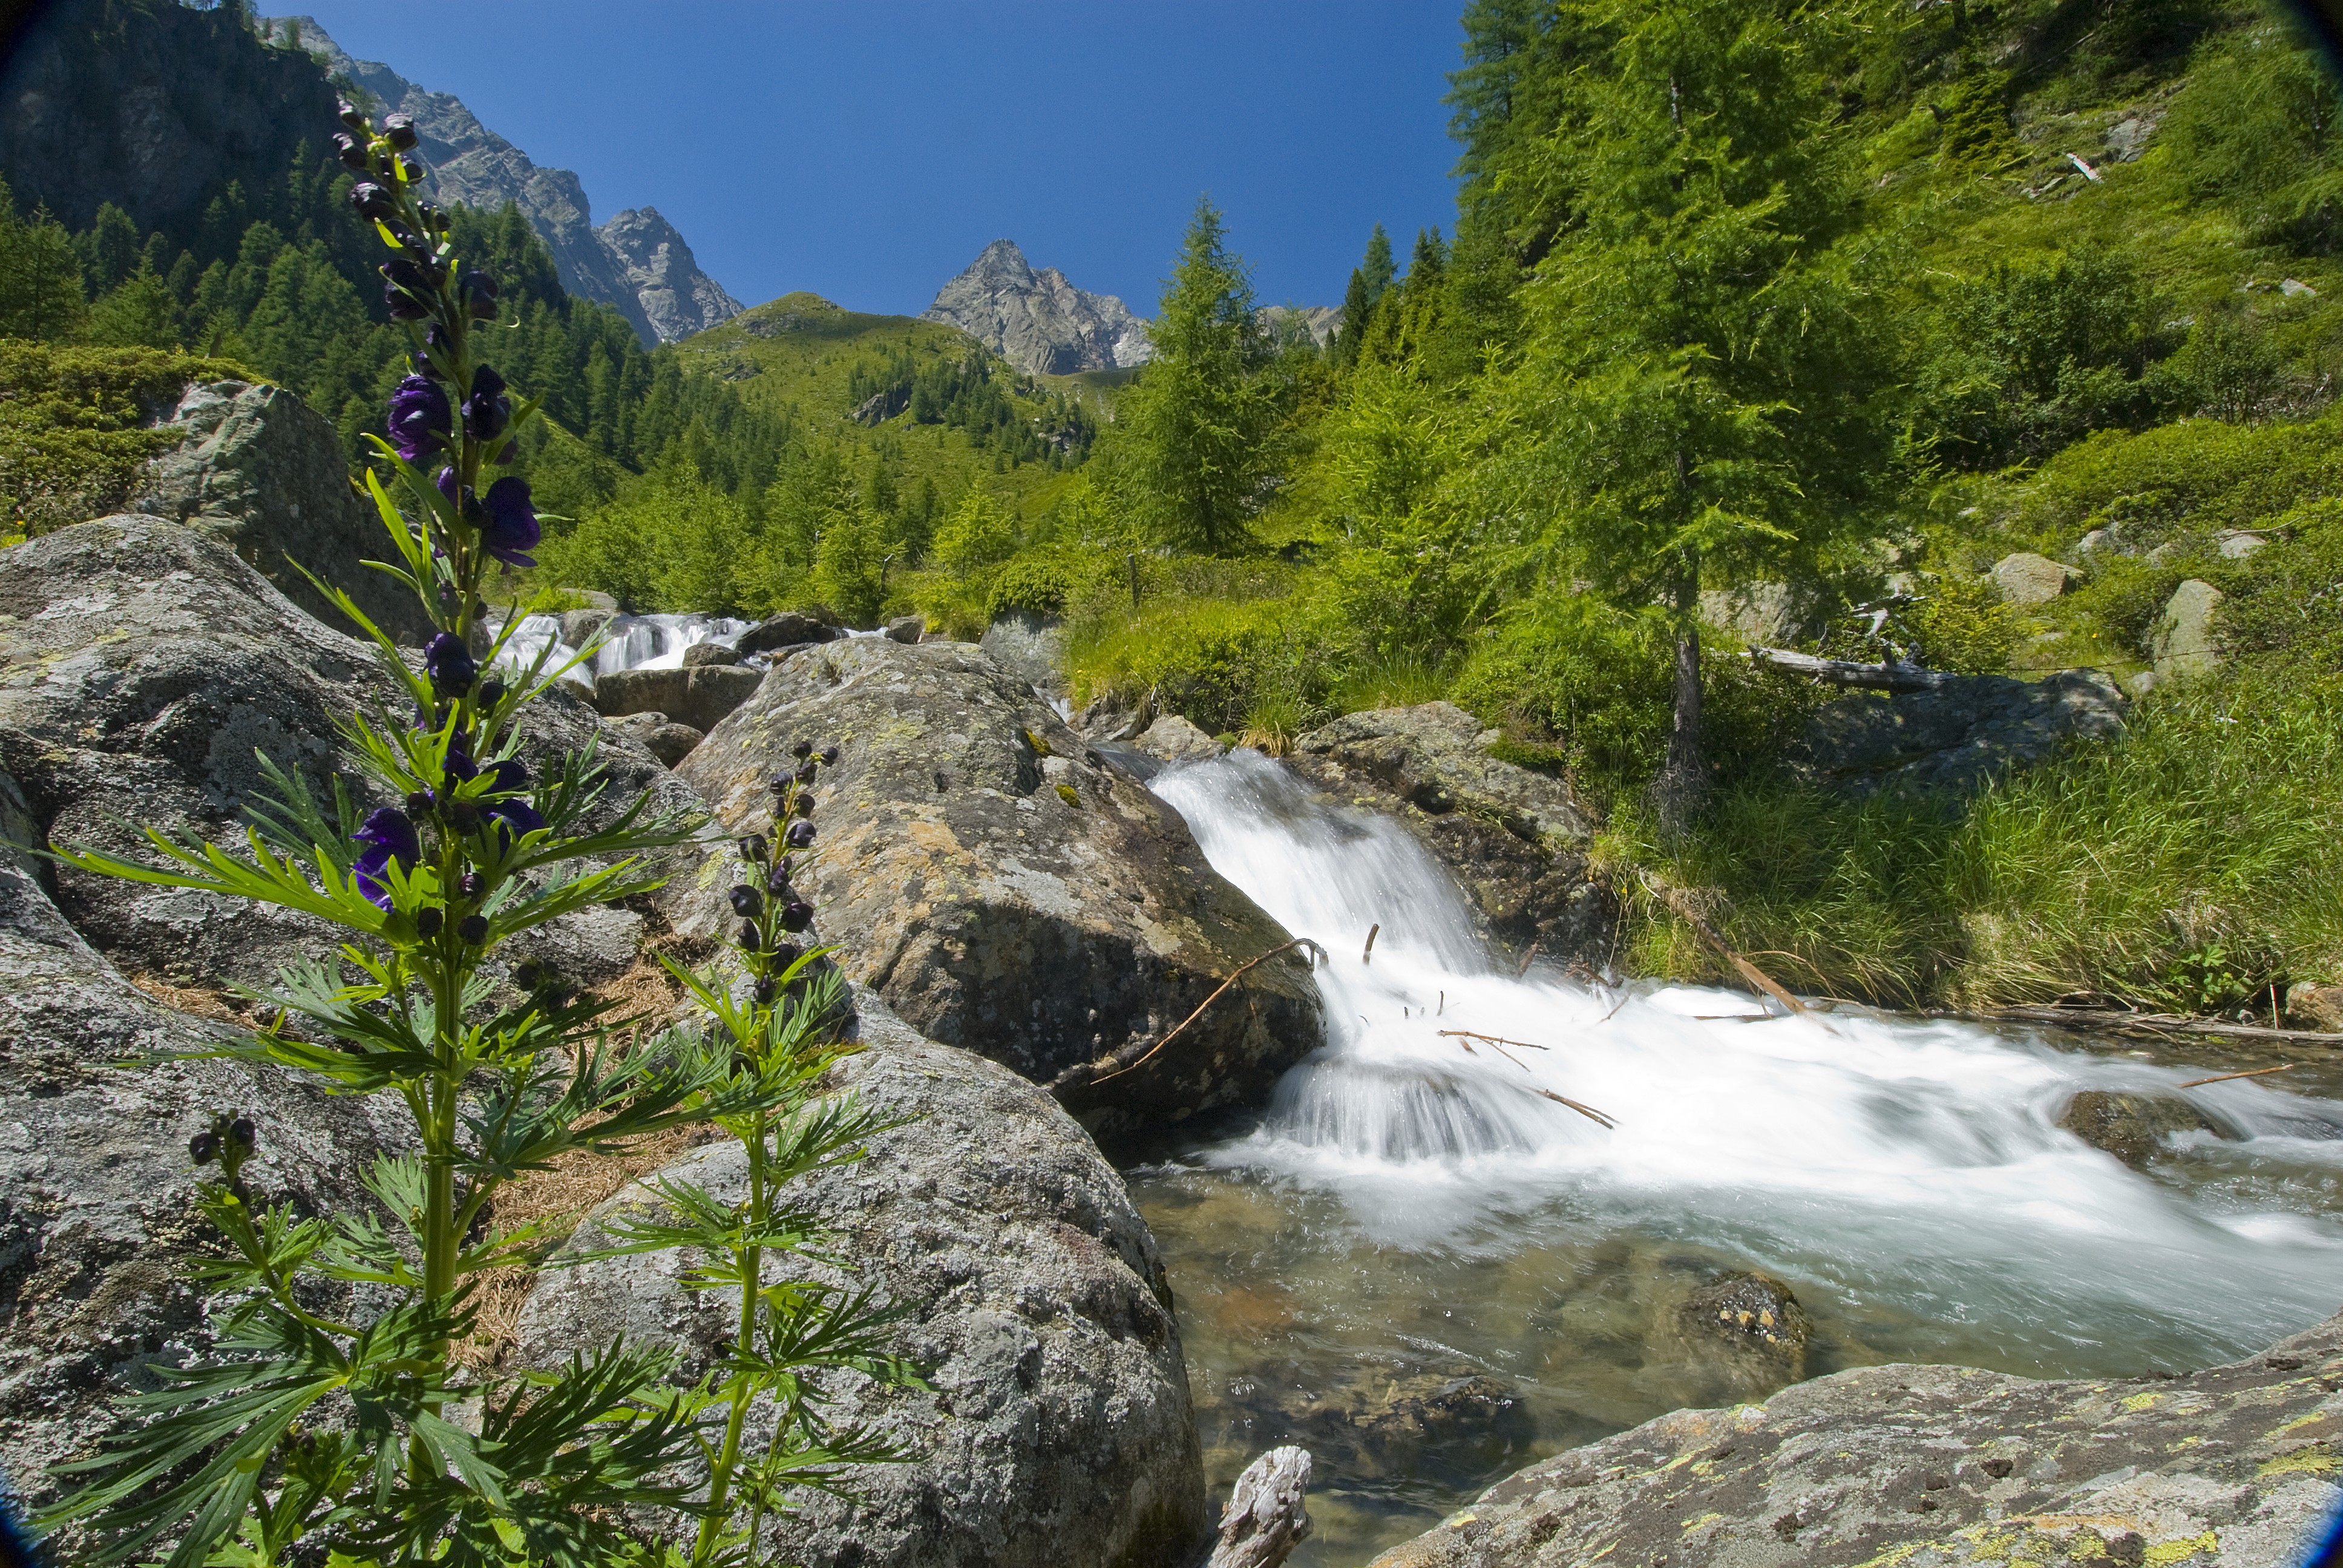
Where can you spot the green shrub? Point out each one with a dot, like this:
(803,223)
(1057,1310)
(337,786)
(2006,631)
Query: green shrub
(74,425)
(2188,479)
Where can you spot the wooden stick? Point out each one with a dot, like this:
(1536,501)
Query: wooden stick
(1840,672)
(1159,1045)
(1675,901)
(1586,1111)
(2224,1078)
(1367,953)
(1524,967)
(2155,1022)
(1491,1039)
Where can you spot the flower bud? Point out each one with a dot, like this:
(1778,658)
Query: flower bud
(399,130)
(801,750)
(800,835)
(348,113)
(372,201)
(491,692)
(409,170)
(450,665)
(428,920)
(754,849)
(795,917)
(829,754)
(807,771)
(750,936)
(419,803)
(527,975)
(787,953)
(478,291)
(473,928)
(471,884)
(764,991)
(777,881)
(747,902)
(803,805)
(351,151)
(243,1132)
(203,1146)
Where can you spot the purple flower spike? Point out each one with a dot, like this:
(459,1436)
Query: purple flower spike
(488,410)
(511,529)
(420,420)
(389,839)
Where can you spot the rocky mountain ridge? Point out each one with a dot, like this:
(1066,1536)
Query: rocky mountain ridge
(1039,321)
(637,263)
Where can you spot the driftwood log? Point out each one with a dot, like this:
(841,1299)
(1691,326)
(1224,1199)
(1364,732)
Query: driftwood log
(1842,672)
(1264,1520)
(2123,1022)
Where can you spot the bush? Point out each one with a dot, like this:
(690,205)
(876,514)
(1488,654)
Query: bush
(74,425)
(2183,480)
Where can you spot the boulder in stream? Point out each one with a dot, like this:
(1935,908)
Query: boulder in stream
(1058,1434)
(1757,1318)
(1007,891)
(1515,841)
(2131,1127)
(1937,1464)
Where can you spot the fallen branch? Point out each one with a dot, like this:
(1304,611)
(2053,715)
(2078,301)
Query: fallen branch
(1586,1111)
(1675,901)
(1159,1045)
(2226,1077)
(2117,1019)
(1842,672)
(1524,967)
(1464,1036)
(1368,952)
(1265,1519)
(1494,1039)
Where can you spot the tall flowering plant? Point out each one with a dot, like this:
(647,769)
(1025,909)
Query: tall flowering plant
(314,1429)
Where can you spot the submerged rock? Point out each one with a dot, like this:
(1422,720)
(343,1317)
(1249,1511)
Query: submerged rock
(259,471)
(2131,1127)
(1940,1464)
(1006,892)
(1059,1433)
(1955,737)
(1455,1426)
(1757,1318)
(1514,839)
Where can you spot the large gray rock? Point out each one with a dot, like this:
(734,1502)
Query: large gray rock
(142,667)
(1769,614)
(1032,647)
(258,470)
(96,1191)
(2030,578)
(1514,839)
(1960,735)
(2183,640)
(788,629)
(699,697)
(1004,890)
(1058,1433)
(1943,1465)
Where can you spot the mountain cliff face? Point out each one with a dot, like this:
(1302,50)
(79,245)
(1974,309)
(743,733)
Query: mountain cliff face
(637,263)
(1038,321)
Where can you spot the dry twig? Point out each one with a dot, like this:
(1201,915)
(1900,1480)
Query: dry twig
(1159,1045)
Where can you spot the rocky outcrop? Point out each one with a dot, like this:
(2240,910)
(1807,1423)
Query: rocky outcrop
(98,1209)
(1515,841)
(1959,734)
(1038,321)
(699,697)
(788,629)
(1007,892)
(1057,1431)
(1319,323)
(2182,639)
(141,667)
(1896,1464)
(258,470)
(1031,646)
(637,262)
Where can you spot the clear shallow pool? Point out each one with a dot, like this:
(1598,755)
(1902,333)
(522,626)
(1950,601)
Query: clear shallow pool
(1429,1273)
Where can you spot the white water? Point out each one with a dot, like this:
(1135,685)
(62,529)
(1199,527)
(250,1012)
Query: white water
(629,641)
(1906,1170)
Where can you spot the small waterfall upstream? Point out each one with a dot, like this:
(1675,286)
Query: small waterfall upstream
(1407,1205)
(629,641)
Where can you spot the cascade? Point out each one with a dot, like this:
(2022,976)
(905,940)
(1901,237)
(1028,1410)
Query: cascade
(629,641)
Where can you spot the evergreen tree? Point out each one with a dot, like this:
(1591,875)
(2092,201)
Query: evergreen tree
(1198,418)
(1378,269)
(1357,310)
(1695,384)
(40,275)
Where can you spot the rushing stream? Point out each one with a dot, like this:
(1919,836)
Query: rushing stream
(1411,1216)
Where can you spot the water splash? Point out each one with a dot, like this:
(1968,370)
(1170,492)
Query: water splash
(629,641)
(1912,1167)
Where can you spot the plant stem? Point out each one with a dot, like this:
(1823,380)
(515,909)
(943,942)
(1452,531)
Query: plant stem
(744,1388)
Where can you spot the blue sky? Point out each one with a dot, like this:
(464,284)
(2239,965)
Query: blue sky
(867,152)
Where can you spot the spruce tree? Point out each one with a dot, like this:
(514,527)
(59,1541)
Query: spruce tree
(1197,416)
(1379,268)
(1694,387)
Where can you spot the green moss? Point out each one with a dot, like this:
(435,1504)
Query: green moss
(1066,793)
(74,425)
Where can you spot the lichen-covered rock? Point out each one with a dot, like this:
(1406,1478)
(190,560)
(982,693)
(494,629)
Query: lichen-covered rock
(97,1190)
(1059,1433)
(1913,1464)
(1955,737)
(2131,1127)
(658,734)
(261,472)
(2312,1006)
(699,697)
(1514,839)
(2182,639)
(1031,646)
(788,629)
(2030,578)
(1172,738)
(1007,892)
(142,667)
(1756,1319)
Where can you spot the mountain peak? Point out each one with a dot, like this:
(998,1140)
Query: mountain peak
(1039,321)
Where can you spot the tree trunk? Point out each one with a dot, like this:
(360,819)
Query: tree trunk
(1682,782)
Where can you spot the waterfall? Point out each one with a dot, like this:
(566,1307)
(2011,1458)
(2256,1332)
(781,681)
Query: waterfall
(1913,1165)
(629,641)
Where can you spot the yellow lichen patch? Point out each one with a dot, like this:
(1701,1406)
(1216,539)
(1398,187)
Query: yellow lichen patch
(1704,1519)
(2139,1401)
(1066,792)
(2172,1553)
(2309,1460)
(1894,1554)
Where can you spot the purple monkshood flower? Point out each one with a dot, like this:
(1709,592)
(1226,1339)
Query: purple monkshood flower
(389,839)
(510,530)
(479,294)
(449,664)
(420,420)
(488,410)
(372,201)
(516,815)
(798,835)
